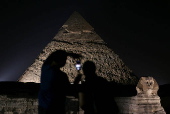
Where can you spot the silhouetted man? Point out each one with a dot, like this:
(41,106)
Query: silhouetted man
(90,95)
(54,84)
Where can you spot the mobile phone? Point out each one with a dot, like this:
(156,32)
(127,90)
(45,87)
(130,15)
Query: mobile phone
(78,65)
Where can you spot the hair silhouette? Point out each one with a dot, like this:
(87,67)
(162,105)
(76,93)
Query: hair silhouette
(96,97)
(59,55)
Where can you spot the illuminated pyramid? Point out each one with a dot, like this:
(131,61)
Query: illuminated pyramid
(77,36)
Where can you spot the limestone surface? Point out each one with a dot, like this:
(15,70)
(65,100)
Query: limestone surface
(30,106)
(77,36)
(138,105)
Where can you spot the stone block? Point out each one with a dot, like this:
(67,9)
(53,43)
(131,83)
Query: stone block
(8,112)
(138,105)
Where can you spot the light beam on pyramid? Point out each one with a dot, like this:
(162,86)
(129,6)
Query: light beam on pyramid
(77,36)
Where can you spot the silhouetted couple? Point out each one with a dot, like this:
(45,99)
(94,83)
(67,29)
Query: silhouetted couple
(54,85)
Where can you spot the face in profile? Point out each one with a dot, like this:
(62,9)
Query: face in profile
(59,58)
(61,62)
(89,68)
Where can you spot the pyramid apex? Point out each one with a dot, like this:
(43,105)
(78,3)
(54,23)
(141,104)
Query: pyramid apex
(76,23)
(75,12)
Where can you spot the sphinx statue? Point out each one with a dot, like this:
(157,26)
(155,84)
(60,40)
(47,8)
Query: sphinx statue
(146,101)
(147,87)
(147,98)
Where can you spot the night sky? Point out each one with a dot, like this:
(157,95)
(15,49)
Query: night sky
(137,31)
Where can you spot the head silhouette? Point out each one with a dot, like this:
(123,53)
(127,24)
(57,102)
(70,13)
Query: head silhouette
(58,58)
(89,69)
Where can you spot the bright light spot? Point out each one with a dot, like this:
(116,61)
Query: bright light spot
(78,66)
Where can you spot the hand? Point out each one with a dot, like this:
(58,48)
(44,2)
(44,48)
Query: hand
(78,78)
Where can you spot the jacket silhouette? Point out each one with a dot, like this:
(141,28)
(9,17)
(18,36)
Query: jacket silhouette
(92,93)
(54,83)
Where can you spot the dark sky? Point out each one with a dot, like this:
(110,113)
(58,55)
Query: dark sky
(137,31)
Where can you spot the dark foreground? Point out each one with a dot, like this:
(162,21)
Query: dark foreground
(30,91)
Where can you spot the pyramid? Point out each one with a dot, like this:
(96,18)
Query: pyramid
(78,36)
